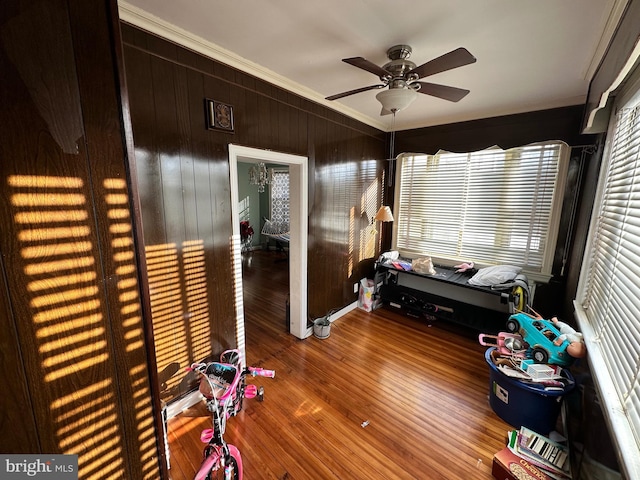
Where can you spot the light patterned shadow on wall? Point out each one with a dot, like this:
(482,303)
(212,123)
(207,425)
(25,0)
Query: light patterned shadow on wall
(122,247)
(363,238)
(179,309)
(68,320)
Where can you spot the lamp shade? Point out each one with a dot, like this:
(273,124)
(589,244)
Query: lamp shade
(396,99)
(384,214)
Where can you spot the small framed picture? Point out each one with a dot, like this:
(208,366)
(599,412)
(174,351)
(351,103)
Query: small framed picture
(219,116)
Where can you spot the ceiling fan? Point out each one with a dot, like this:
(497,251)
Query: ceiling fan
(401,76)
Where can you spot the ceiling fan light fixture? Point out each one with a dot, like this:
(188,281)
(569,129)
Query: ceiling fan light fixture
(396,99)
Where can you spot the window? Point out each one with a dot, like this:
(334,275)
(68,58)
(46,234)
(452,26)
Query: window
(608,304)
(491,207)
(279,195)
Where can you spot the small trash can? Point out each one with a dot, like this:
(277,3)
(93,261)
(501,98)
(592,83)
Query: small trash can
(322,327)
(523,404)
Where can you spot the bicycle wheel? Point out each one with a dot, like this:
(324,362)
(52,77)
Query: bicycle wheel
(212,469)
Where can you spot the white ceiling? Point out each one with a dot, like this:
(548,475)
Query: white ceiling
(531,55)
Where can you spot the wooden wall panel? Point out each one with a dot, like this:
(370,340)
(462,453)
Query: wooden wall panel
(148,169)
(14,95)
(265,117)
(96,49)
(73,309)
(16,409)
(44,177)
(192,316)
(201,227)
(506,131)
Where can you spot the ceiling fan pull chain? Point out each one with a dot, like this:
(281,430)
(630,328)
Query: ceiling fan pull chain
(392,146)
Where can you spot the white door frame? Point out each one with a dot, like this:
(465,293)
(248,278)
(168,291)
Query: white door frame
(298,214)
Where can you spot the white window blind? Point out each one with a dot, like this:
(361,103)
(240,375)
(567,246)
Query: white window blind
(491,207)
(279,196)
(608,309)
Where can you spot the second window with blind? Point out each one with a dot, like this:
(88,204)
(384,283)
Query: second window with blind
(492,207)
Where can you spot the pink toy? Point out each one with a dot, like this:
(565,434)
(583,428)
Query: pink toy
(505,343)
(463,267)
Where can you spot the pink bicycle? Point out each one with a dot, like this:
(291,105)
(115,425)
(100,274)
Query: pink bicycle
(224,388)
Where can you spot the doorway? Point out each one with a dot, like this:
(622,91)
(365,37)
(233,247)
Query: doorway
(298,190)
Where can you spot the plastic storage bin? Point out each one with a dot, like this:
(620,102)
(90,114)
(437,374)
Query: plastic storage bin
(522,404)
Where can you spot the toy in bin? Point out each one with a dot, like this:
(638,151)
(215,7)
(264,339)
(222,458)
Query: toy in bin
(550,341)
(505,343)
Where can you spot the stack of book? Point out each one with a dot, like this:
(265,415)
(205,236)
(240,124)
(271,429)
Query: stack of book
(530,455)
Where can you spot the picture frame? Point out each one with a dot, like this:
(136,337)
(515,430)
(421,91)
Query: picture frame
(219,116)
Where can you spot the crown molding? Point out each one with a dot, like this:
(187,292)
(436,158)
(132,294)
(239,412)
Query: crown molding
(598,119)
(617,11)
(140,18)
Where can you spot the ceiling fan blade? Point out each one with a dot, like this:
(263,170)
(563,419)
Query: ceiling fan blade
(452,94)
(352,92)
(365,64)
(454,59)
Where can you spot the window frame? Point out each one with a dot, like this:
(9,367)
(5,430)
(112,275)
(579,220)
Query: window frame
(554,220)
(626,441)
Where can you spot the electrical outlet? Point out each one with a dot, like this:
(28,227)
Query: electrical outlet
(355,288)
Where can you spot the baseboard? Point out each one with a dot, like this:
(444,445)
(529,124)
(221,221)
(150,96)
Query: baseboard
(343,311)
(178,406)
(334,316)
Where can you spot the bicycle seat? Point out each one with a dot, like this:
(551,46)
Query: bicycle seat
(219,380)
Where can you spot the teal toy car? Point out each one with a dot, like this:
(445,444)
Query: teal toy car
(540,334)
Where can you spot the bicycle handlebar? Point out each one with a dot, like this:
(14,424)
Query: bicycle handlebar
(195,367)
(253,371)
(261,372)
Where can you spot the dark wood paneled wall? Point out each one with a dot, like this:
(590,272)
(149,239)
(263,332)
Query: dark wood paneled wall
(74,355)
(183,172)
(506,131)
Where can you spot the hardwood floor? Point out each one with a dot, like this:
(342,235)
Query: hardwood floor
(384,397)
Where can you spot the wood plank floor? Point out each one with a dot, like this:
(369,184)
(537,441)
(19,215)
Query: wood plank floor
(384,397)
